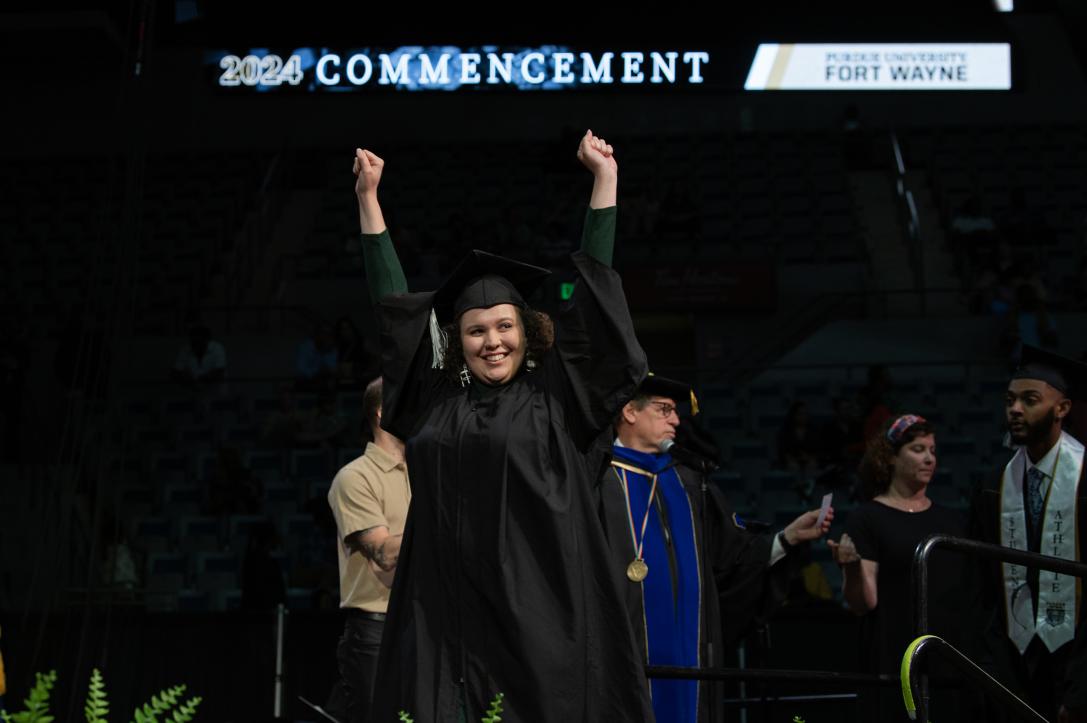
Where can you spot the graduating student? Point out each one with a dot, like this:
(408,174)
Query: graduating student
(682,557)
(502,583)
(1038,502)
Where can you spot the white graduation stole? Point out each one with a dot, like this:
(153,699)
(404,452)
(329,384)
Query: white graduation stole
(1055,621)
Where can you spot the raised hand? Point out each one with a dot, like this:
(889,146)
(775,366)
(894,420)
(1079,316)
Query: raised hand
(367,169)
(597,155)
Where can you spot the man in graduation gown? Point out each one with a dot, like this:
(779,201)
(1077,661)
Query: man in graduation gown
(1038,502)
(681,555)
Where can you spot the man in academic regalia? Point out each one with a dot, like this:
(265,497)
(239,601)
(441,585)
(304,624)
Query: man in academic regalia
(682,557)
(1036,637)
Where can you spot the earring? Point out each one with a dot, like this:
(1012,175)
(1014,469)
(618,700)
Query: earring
(465,376)
(530,364)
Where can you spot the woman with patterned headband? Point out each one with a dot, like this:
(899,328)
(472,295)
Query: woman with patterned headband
(876,555)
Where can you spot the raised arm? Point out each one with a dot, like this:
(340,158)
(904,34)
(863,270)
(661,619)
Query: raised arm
(598,235)
(384,275)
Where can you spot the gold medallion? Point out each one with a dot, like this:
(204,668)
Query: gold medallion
(637,570)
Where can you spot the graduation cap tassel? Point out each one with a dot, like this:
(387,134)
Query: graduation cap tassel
(438,343)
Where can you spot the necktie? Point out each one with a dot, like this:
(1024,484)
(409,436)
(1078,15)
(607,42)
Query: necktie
(1035,478)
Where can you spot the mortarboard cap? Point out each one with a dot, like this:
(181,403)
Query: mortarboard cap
(677,391)
(1067,376)
(482,280)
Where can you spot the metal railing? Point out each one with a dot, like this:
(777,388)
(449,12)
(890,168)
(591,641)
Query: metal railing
(673,672)
(986,551)
(915,687)
(823,679)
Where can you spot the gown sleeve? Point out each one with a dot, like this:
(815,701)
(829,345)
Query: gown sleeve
(409,378)
(748,587)
(599,355)
(384,275)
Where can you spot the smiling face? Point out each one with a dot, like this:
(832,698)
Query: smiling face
(493,340)
(915,462)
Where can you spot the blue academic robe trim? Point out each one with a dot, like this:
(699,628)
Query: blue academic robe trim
(671,592)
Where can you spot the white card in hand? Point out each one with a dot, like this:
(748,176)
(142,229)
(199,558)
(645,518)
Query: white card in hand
(823,508)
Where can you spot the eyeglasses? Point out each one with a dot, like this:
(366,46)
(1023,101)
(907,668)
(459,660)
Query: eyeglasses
(664,409)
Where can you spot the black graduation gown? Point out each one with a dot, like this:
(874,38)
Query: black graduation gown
(502,581)
(739,584)
(996,650)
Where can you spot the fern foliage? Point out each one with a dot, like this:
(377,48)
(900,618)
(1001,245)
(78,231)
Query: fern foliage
(37,702)
(97,706)
(494,713)
(166,707)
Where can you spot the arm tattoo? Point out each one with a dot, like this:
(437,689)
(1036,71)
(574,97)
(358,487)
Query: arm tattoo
(381,558)
(376,552)
(366,548)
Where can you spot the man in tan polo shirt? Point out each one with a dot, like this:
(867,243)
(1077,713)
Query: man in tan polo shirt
(369,499)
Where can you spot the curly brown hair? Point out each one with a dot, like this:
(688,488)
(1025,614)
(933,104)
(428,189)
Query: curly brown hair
(877,464)
(539,333)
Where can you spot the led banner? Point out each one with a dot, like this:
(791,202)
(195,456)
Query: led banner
(447,68)
(872,66)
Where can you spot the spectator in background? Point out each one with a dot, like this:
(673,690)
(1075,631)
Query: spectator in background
(317,360)
(201,360)
(796,440)
(263,585)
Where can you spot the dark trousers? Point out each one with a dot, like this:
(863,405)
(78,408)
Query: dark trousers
(356,656)
(1037,676)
